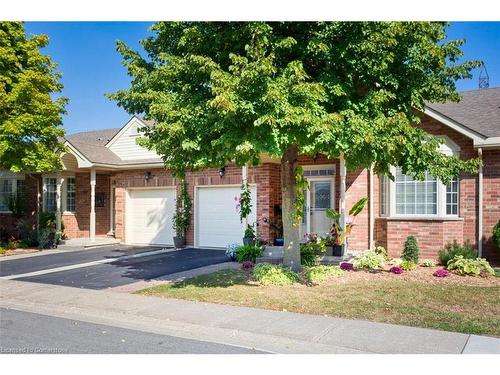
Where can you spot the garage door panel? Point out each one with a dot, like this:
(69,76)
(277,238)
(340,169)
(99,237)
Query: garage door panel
(218,222)
(149,216)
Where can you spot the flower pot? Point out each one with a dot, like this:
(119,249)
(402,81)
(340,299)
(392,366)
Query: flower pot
(337,250)
(279,242)
(179,242)
(248,241)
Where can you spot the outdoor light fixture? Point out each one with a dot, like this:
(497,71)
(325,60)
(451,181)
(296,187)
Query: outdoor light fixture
(222,172)
(147,175)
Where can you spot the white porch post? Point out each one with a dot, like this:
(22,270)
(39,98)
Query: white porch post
(92,204)
(59,182)
(342,192)
(480,208)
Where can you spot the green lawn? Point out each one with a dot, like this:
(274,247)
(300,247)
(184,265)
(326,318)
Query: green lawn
(468,309)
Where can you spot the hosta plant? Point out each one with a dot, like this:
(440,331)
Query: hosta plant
(382,251)
(270,274)
(428,263)
(473,267)
(368,260)
(318,274)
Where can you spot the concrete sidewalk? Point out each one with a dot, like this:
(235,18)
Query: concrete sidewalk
(272,331)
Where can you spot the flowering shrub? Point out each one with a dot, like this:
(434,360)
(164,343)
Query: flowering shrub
(247,265)
(442,272)
(346,266)
(396,269)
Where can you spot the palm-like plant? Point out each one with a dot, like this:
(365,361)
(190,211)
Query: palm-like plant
(336,231)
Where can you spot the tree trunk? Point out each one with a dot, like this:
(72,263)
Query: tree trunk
(288,193)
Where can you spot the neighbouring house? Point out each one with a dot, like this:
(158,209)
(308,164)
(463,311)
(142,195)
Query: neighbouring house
(110,186)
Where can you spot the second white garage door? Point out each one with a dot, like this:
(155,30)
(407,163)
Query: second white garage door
(149,216)
(217,220)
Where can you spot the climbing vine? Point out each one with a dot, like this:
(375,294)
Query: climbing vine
(298,206)
(245,201)
(182,216)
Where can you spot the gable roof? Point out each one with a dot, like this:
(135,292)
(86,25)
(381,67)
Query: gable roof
(478,110)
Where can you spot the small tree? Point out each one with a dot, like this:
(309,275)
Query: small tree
(411,250)
(30,116)
(228,92)
(496,234)
(182,215)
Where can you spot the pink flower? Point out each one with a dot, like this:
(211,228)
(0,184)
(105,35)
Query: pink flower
(238,206)
(236,198)
(441,272)
(349,220)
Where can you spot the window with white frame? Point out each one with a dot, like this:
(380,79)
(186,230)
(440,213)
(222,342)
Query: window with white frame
(70,194)
(9,187)
(415,197)
(383,201)
(50,194)
(452,197)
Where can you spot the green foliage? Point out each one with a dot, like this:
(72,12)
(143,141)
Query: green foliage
(319,274)
(411,250)
(245,201)
(181,220)
(44,238)
(408,265)
(473,267)
(428,263)
(270,274)
(16,203)
(496,234)
(249,232)
(2,250)
(453,249)
(248,252)
(396,261)
(30,117)
(301,185)
(224,92)
(48,220)
(310,251)
(382,251)
(338,234)
(368,260)
(12,245)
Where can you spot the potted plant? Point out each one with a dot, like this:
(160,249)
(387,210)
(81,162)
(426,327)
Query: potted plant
(249,235)
(338,233)
(182,216)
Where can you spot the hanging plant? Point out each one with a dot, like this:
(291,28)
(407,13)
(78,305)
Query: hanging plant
(244,204)
(183,210)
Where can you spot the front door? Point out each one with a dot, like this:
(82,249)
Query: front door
(318,197)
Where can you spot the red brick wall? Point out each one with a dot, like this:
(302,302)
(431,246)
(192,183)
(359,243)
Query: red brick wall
(77,225)
(491,201)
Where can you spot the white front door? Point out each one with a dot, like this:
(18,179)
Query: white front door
(318,197)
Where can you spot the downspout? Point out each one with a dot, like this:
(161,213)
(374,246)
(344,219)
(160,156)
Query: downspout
(372,216)
(480,208)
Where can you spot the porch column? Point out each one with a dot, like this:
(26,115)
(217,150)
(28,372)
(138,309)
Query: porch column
(371,242)
(59,182)
(92,204)
(480,207)
(342,191)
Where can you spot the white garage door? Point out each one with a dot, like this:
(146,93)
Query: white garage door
(149,216)
(217,220)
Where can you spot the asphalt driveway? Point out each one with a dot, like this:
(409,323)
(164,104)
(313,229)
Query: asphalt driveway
(108,267)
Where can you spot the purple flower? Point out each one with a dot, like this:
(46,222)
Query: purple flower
(349,220)
(346,266)
(247,265)
(396,269)
(442,272)
(236,198)
(238,207)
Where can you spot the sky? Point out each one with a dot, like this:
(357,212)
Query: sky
(86,55)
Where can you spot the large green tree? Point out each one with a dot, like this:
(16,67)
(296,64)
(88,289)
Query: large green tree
(222,92)
(30,118)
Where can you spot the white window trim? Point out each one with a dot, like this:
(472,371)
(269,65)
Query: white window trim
(64,179)
(12,177)
(448,148)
